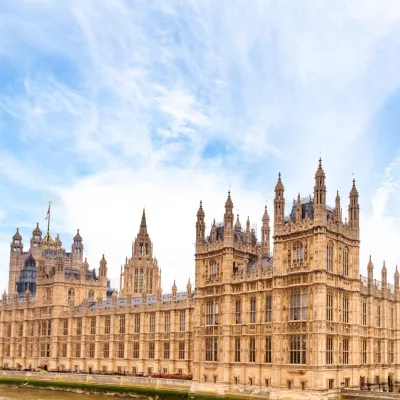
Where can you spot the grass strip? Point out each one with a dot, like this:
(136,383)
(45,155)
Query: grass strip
(96,388)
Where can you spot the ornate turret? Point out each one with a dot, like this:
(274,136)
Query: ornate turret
(86,264)
(248,231)
(265,233)
(189,289)
(214,231)
(4,296)
(228,217)
(338,210)
(384,276)
(320,195)
(103,270)
(77,248)
(354,208)
(36,241)
(238,225)
(16,244)
(27,295)
(142,246)
(279,203)
(298,209)
(370,269)
(174,292)
(200,225)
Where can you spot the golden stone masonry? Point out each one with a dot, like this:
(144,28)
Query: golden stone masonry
(300,318)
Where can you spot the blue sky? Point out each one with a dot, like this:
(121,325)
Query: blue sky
(107,107)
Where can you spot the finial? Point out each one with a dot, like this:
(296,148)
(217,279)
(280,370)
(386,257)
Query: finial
(279,176)
(320,162)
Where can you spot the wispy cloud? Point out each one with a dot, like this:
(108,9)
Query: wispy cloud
(109,106)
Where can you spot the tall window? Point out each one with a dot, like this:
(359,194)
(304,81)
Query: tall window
(121,349)
(298,349)
(237,349)
(253,310)
(107,325)
(329,307)
(64,350)
(212,312)
(136,281)
(378,352)
(378,315)
(391,318)
(135,347)
(122,324)
(181,354)
(345,259)
(268,309)
(298,306)
(345,351)
(152,324)
(268,350)
(106,350)
(91,350)
(238,314)
(364,313)
(137,323)
(363,351)
(391,352)
(65,327)
(329,257)
(166,350)
(346,309)
(93,325)
(182,321)
(151,349)
(298,253)
(329,350)
(212,349)
(213,270)
(252,349)
(167,322)
(79,326)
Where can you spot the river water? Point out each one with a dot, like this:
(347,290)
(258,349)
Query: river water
(9,393)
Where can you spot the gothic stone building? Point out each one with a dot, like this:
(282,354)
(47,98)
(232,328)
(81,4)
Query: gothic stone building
(298,317)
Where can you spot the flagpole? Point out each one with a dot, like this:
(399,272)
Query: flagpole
(48,218)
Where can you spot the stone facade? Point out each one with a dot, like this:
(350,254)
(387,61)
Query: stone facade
(297,318)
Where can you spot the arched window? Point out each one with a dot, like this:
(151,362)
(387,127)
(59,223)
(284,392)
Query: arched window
(141,279)
(329,257)
(136,282)
(91,294)
(298,253)
(298,305)
(70,294)
(213,269)
(345,261)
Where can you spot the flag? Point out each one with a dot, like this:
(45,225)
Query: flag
(48,213)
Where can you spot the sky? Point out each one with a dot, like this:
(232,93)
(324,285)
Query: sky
(107,107)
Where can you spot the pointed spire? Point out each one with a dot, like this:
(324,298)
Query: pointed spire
(370,268)
(228,203)
(248,224)
(143,224)
(238,225)
(320,172)
(279,184)
(265,217)
(37,230)
(200,212)
(17,235)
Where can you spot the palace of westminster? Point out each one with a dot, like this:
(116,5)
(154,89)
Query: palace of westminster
(297,316)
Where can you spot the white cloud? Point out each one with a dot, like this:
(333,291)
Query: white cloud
(131,95)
